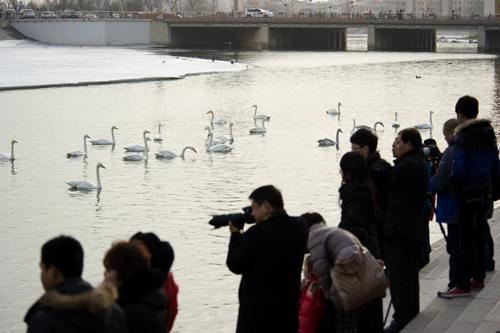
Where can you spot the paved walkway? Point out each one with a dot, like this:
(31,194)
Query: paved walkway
(479,313)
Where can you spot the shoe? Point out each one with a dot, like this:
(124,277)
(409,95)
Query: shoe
(455,292)
(474,285)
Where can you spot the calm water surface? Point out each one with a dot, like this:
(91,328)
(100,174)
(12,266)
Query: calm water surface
(175,198)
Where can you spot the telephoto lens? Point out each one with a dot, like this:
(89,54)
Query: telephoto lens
(238,219)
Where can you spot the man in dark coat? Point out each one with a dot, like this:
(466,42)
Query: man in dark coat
(269,255)
(70,304)
(475,159)
(365,142)
(403,226)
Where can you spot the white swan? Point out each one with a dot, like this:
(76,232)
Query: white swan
(333,111)
(229,137)
(328,142)
(85,184)
(158,137)
(102,142)
(426,126)
(260,129)
(10,156)
(139,157)
(216,120)
(256,116)
(222,148)
(137,148)
(356,128)
(77,153)
(214,141)
(395,124)
(169,154)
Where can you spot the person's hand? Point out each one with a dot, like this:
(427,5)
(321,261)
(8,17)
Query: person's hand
(233,228)
(313,287)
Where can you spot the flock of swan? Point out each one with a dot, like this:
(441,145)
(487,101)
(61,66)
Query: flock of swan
(223,143)
(395,124)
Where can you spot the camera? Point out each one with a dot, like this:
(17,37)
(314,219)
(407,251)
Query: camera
(238,219)
(431,150)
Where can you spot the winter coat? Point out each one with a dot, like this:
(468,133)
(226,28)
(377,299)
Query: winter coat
(447,204)
(311,307)
(327,245)
(171,289)
(269,255)
(144,302)
(74,306)
(404,214)
(355,217)
(383,181)
(475,157)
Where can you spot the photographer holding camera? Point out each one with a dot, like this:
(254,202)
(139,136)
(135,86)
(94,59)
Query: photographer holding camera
(269,256)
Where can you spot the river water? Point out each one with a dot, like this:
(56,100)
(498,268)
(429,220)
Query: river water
(174,198)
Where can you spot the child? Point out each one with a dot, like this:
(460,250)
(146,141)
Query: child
(312,301)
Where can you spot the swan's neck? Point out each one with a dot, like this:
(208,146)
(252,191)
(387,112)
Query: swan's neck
(183,151)
(263,122)
(159,129)
(338,106)
(212,116)
(98,177)
(396,115)
(430,117)
(231,131)
(146,149)
(209,143)
(255,113)
(354,124)
(12,151)
(113,135)
(85,145)
(337,137)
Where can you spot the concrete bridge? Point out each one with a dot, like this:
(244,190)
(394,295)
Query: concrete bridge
(257,34)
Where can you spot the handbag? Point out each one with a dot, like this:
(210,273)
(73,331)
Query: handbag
(357,280)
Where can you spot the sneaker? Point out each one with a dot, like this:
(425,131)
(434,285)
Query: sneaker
(455,292)
(474,285)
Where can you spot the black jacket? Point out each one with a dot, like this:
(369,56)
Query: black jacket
(355,216)
(383,180)
(269,255)
(74,306)
(404,215)
(144,302)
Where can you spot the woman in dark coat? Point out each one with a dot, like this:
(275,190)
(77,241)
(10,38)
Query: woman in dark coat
(140,292)
(358,201)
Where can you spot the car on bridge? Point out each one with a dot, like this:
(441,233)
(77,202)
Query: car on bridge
(70,13)
(26,13)
(48,15)
(258,12)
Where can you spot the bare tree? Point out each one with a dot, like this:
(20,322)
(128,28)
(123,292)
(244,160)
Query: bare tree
(150,5)
(170,4)
(213,5)
(193,3)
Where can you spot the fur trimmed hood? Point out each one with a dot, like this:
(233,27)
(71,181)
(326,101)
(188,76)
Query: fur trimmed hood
(472,122)
(94,301)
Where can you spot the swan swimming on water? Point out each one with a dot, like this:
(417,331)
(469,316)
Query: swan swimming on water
(6,156)
(260,129)
(395,124)
(216,120)
(139,157)
(169,154)
(220,148)
(328,142)
(214,141)
(77,153)
(102,142)
(229,137)
(85,184)
(256,116)
(137,148)
(356,128)
(424,125)
(158,137)
(333,111)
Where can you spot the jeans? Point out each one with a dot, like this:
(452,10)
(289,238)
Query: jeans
(473,223)
(453,249)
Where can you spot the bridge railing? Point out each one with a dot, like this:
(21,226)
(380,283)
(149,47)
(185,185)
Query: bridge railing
(278,15)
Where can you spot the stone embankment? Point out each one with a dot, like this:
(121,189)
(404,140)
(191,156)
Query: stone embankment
(10,33)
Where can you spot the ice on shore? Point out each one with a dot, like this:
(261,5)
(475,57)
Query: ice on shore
(25,63)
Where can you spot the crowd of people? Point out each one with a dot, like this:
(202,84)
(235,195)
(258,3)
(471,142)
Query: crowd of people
(385,210)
